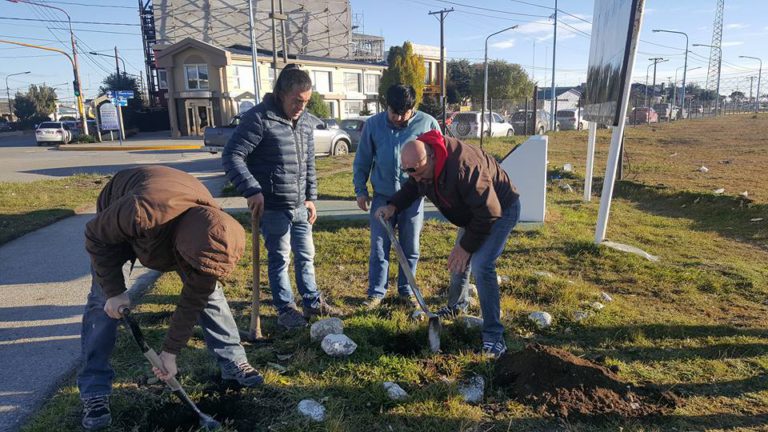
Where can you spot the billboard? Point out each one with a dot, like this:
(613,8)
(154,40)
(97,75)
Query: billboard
(615,26)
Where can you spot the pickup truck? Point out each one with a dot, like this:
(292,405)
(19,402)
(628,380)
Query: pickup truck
(331,142)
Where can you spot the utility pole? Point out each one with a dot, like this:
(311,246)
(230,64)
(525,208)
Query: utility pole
(554,57)
(277,17)
(443,74)
(655,61)
(121,132)
(254,54)
(751,80)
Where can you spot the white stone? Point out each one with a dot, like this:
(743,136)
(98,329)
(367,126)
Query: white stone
(324,327)
(544,274)
(541,319)
(597,306)
(471,321)
(472,390)
(580,316)
(418,315)
(567,168)
(719,191)
(312,409)
(606,297)
(338,345)
(703,169)
(756,219)
(744,194)
(394,391)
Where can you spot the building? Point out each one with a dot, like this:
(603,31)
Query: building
(205,85)
(367,47)
(434,72)
(567,98)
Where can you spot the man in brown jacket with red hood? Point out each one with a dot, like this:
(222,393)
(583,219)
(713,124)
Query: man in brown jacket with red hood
(473,192)
(167,220)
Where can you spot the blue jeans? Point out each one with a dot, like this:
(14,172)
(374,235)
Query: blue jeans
(99,334)
(483,265)
(408,223)
(285,231)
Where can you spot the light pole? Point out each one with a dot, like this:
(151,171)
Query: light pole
(685,63)
(720,61)
(125,70)
(8,90)
(485,84)
(759,75)
(655,60)
(75,67)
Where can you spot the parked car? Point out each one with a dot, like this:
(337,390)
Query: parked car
(571,119)
(332,123)
(666,111)
(522,118)
(641,115)
(353,126)
(55,132)
(467,125)
(327,141)
(5,126)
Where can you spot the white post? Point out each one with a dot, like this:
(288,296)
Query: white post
(590,161)
(254,55)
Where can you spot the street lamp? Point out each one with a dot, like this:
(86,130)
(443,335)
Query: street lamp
(125,70)
(485,84)
(720,61)
(8,90)
(75,67)
(759,75)
(685,63)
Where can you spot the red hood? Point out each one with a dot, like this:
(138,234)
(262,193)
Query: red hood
(436,141)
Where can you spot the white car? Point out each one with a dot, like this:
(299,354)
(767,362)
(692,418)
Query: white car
(467,125)
(571,119)
(52,132)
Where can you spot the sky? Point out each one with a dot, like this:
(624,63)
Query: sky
(529,45)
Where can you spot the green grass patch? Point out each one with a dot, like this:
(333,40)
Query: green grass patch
(25,207)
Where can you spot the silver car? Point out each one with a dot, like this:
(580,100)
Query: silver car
(52,132)
(467,125)
(327,141)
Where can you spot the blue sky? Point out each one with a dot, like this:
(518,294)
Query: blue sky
(399,20)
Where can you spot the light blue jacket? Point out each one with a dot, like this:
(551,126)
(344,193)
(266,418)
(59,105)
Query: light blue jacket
(378,153)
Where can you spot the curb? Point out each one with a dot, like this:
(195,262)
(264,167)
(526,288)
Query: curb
(78,147)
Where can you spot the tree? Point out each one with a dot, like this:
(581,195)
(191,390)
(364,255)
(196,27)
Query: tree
(505,81)
(431,105)
(404,67)
(737,96)
(113,82)
(318,107)
(458,84)
(44,98)
(24,107)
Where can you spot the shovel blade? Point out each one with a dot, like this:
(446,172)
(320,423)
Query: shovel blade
(433,334)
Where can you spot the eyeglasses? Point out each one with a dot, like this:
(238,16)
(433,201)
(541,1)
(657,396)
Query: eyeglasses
(411,170)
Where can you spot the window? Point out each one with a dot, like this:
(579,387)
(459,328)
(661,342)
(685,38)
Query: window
(162,79)
(197,76)
(352,82)
(321,81)
(353,108)
(242,77)
(271,75)
(428,74)
(497,118)
(371,83)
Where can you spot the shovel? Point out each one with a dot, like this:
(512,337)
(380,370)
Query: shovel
(254,334)
(206,422)
(433,332)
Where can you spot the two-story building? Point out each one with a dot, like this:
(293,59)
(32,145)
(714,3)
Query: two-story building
(206,85)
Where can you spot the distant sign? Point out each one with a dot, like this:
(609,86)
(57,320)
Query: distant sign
(127,94)
(615,25)
(120,102)
(108,114)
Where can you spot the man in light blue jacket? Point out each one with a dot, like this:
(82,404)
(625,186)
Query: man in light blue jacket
(378,160)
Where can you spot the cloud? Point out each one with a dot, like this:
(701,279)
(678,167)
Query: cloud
(542,30)
(732,43)
(509,43)
(736,26)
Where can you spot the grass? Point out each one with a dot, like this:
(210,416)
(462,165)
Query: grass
(696,321)
(25,207)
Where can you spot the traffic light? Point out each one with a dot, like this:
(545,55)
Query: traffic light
(76,86)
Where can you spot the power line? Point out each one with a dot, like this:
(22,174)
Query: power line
(574,16)
(73,22)
(492,10)
(91,5)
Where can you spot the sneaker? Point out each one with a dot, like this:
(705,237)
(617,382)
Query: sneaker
(450,312)
(96,413)
(320,308)
(494,349)
(291,318)
(372,303)
(243,373)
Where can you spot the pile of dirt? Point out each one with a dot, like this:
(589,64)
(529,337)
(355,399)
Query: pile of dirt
(557,383)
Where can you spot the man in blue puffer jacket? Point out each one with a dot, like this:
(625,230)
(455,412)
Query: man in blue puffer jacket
(270,159)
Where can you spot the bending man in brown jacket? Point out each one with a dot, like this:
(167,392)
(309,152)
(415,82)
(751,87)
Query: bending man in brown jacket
(473,192)
(167,220)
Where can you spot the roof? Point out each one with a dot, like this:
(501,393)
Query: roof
(546,93)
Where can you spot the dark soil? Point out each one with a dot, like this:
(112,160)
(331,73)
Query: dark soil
(557,383)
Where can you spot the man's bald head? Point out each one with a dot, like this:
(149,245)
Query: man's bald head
(416,160)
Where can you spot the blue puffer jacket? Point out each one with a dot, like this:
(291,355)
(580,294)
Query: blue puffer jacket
(268,155)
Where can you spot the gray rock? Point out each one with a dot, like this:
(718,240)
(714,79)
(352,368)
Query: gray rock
(579,316)
(338,345)
(473,389)
(470,321)
(544,274)
(541,319)
(324,327)
(312,409)
(394,391)
(597,306)
(606,297)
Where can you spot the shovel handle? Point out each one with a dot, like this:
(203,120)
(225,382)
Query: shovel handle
(255,326)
